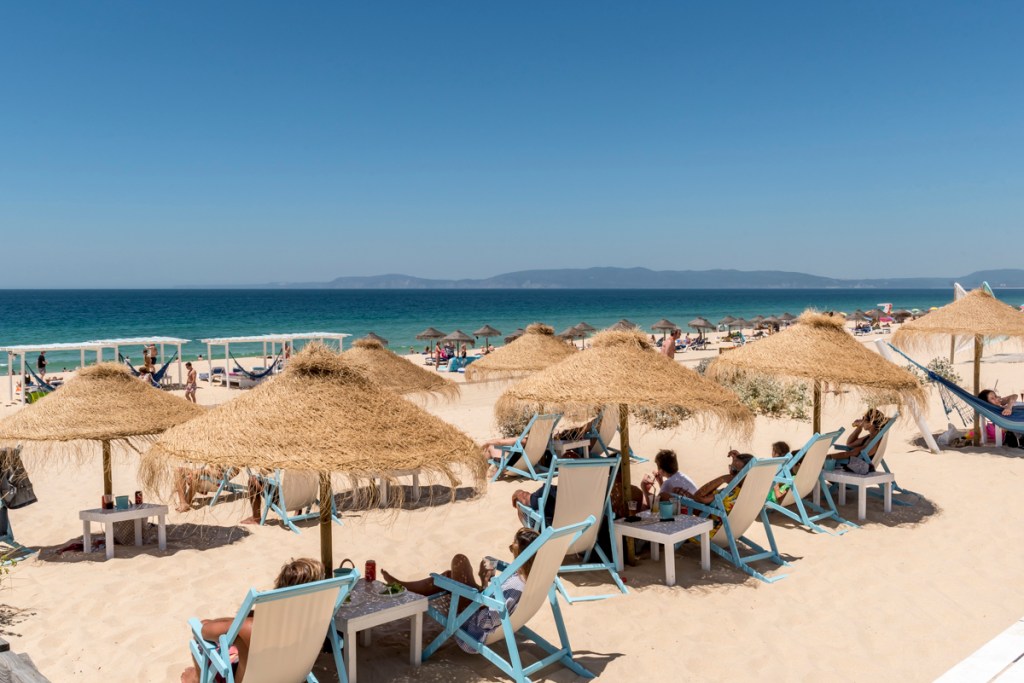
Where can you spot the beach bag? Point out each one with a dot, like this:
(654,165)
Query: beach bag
(15,487)
(949,436)
(858,466)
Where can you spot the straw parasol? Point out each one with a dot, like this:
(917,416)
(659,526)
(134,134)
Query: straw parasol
(664,326)
(319,415)
(395,373)
(978,315)
(535,350)
(569,333)
(102,403)
(459,337)
(728,321)
(700,324)
(902,314)
(622,368)
(586,328)
(624,325)
(787,318)
(519,332)
(373,336)
(430,333)
(487,332)
(817,348)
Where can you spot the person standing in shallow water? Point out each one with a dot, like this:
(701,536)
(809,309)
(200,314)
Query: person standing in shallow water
(190,383)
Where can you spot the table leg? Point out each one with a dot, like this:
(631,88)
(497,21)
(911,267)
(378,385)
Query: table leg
(87,536)
(705,551)
(416,640)
(161,532)
(655,551)
(842,494)
(350,655)
(862,502)
(109,527)
(670,565)
(138,532)
(619,538)
(888,496)
(366,637)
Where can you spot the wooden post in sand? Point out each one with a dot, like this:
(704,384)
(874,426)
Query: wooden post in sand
(624,474)
(326,537)
(816,408)
(978,347)
(108,475)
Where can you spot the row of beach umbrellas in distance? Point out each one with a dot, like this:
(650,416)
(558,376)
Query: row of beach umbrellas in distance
(329,413)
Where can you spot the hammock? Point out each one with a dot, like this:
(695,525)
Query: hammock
(40,382)
(1013,422)
(157,376)
(255,375)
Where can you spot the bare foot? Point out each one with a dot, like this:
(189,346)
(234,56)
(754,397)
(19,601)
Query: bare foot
(189,675)
(251,520)
(183,508)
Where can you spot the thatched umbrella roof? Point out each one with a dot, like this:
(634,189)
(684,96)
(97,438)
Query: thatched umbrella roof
(700,323)
(586,327)
(373,336)
(319,415)
(104,403)
(874,314)
(519,332)
(727,321)
(902,314)
(664,324)
(487,331)
(771,319)
(570,333)
(624,325)
(857,316)
(535,350)
(817,348)
(395,373)
(977,313)
(787,317)
(430,333)
(458,336)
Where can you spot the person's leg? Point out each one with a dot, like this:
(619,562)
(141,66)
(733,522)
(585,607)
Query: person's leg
(461,571)
(184,489)
(256,500)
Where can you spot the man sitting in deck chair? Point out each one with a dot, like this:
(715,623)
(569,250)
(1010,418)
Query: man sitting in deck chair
(288,493)
(215,659)
(188,482)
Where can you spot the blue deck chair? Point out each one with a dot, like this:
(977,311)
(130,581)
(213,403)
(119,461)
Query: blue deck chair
(583,491)
(17,550)
(293,490)
(525,455)
(874,454)
(809,464)
(288,631)
(547,552)
(220,486)
(879,476)
(755,481)
(605,427)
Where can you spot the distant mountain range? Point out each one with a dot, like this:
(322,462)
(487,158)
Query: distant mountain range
(644,278)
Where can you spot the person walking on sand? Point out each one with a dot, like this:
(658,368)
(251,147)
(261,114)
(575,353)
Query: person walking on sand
(41,364)
(669,347)
(190,383)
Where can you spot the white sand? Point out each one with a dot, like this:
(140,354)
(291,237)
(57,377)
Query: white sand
(903,598)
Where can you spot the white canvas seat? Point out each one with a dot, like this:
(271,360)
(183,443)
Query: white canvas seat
(288,490)
(525,455)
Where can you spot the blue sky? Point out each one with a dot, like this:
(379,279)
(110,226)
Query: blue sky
(158,144)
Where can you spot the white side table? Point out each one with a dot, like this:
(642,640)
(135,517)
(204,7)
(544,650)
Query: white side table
(668,534)
(368,609)
(560,447)
(134,512)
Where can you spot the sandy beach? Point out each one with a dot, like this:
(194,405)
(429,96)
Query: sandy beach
(904,597)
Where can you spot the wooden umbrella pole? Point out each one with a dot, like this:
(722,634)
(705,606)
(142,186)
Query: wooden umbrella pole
(977,386)
(624,474)
(108,475)
(326,532)
(952,349)
(816,409)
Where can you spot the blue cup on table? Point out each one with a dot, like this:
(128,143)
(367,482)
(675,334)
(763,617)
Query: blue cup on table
(666,510)
(121,502)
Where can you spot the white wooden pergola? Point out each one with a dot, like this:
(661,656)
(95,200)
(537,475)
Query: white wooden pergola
(23,350)
(161,342)
(273,340)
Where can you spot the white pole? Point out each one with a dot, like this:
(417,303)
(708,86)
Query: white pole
(81,359)
(117,354)
(179,363)
(24,388)
(10,375)
(915,410)
(227,366)
(209,363)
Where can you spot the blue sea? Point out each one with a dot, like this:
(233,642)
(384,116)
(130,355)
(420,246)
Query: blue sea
(48,316)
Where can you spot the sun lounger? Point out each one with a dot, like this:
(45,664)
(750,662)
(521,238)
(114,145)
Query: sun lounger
(208,484)
(288,490)
(755,481)
(809,464)
(583,491)
(17,551)
(879,475)
(548,552)
(607,425)
(288,631)
(529,449)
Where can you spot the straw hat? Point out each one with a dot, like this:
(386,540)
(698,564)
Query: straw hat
(103,402)
(396,373)
(319,415)
(976,314)
(623,368)
(535,350)
(817,347)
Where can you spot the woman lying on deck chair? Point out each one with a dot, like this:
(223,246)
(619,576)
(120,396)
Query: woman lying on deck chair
(484,621)
(295,573)
(864,430)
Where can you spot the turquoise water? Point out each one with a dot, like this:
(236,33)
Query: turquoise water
(48,316)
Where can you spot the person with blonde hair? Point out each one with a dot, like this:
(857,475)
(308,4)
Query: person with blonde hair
(864,429)
(294,573)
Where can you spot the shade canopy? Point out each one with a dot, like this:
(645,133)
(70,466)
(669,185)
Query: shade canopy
(459,337)
(102,402)
(396,373)
(700,323)
(373,336)
(624,325)
(902,314)
(487,331)
(787,317)
(727,320)
(664,324)
(622,368)
(976,314)
(570,333)
(586,328)
(535,350)
(430,333)
(857,316)
(818,348)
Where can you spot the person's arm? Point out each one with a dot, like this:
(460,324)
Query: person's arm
(1008,402)
(215,628)
(706,493)
(855,434)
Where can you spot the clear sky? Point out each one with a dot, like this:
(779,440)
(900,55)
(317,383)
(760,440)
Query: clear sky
(166,143)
